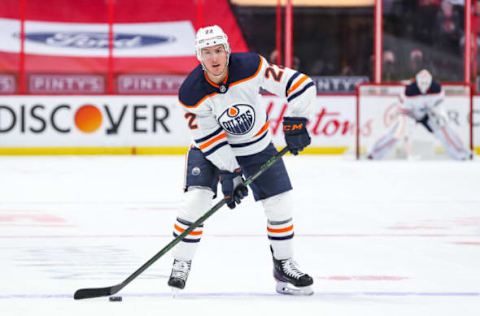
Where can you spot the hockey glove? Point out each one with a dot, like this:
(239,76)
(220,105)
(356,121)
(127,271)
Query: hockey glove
(296,134)
(232,187)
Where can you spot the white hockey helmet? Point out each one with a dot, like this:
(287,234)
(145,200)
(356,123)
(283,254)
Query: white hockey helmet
(423,80)
(210,36)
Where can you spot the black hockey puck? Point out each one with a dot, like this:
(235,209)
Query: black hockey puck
(115,298)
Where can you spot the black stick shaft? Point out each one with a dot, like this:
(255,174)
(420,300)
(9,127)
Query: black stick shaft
(106,291)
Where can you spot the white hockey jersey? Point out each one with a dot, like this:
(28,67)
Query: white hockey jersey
(229,119)
(417,105)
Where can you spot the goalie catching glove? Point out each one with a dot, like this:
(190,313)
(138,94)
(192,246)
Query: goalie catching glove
(232,187)
(296,134)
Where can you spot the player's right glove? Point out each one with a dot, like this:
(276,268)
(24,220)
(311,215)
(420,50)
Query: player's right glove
(296,134)
(232,187)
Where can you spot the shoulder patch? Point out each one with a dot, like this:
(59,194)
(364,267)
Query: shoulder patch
(242,66)
(194,89)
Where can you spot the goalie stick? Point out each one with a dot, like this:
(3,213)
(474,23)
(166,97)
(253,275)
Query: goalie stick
(110,290)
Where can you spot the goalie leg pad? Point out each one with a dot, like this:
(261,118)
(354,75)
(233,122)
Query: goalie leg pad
(447,137)
(385,144)
(452,143)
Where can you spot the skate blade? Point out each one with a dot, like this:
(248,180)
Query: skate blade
(289,289)
(176,292)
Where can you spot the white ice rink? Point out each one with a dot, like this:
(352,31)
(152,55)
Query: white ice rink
(380,238)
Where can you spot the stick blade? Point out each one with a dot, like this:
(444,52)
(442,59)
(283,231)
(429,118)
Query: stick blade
(95,292)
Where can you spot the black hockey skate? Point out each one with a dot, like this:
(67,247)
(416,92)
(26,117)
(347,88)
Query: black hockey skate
(179,275)
(290,280)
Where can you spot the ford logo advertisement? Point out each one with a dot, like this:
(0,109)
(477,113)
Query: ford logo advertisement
(68,39)
(89,40)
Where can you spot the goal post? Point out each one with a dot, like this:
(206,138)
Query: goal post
(377,109)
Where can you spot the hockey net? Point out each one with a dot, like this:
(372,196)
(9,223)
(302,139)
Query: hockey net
(377,109)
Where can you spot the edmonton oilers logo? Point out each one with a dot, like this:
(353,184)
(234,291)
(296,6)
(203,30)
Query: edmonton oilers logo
(238,119)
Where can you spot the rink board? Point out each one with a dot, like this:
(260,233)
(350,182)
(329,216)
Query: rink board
(44,125)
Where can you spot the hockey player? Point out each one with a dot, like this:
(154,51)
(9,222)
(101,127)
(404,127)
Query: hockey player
(230,129)
(421,104)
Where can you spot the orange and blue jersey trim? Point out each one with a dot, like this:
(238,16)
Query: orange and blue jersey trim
(212,142)
(198,103)
(292,89)
(233,83)
(297,84)
(260,134)
(264,129)
(213,83)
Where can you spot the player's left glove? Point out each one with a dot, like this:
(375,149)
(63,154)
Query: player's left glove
(232,187)
(296,134)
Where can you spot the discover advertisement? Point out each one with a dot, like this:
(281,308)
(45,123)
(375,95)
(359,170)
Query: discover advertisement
(159,122)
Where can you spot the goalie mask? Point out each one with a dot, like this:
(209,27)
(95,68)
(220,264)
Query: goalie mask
(423,80)
(211,36)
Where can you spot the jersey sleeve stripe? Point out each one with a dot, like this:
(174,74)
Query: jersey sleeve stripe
(213,140)
(214,149)
(293,96)
(216,132)
(290,81)
(248,78)
(297,84)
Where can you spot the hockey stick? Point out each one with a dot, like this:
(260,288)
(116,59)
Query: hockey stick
(110,290)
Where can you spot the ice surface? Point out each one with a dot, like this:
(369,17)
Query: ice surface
(380,238)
